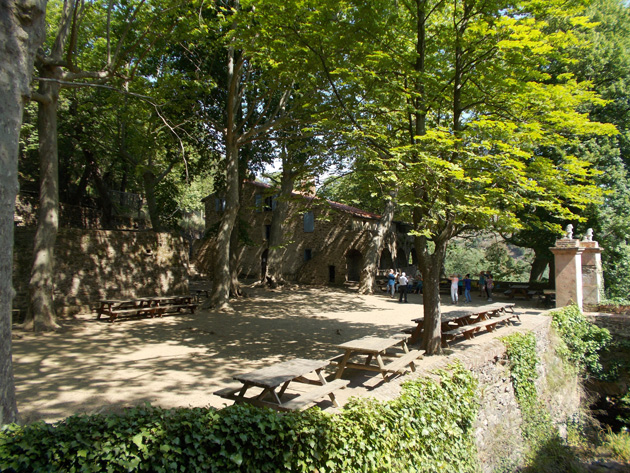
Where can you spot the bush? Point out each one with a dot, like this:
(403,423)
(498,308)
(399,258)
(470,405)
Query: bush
(428,428)
(584,341)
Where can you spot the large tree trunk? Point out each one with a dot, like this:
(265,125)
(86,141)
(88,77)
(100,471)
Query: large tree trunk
(21,33)
(235,285)
(222,279)
(222,276)
(373,253)
(431,269)
(41,312)
(276,237)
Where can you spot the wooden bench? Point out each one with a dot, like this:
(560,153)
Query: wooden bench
(313,395)
(178,307)
(150,306)
(115,312)
(468,331)
(229,392)
(401,363)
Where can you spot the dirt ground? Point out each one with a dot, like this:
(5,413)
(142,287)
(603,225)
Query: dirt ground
(180,360)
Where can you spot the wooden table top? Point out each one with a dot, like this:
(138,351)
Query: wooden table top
(144,299)
(463,313)
(370,344)
(274,375)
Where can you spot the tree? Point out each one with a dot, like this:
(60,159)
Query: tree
(253,73)
(477,162)
(80,49)
(605,61)
(454,100)
(21,33)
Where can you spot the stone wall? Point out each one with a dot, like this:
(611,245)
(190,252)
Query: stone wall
(617,324)
(498,426)
(98,264)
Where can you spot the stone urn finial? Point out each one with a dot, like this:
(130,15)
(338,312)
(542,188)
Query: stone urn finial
(568,235)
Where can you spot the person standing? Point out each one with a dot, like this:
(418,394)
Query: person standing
(391,283)
(489,286)
(482,284)
(467,288)
(418,287)
(454,288)
(402,287)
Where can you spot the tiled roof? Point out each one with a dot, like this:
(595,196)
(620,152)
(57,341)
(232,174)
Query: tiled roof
(335,205)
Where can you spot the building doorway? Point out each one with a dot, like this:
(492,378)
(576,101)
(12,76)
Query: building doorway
(354,262)
(386,260)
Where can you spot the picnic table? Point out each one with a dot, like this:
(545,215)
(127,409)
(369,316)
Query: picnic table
(148,306)
(453,323)
(375,348)
(274,380)
(519,290)
(547,298)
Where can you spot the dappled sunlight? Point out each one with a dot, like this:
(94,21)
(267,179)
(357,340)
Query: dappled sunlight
(181,359)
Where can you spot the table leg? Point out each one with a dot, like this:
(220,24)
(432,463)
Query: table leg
(241,393)
(267,391)
(283,389)
(342,364)
(321,376)
(381,365)
(415,335)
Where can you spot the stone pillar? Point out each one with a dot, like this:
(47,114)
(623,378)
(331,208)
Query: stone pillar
(592,275)
(568,259)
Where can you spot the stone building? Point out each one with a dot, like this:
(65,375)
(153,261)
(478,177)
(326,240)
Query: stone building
(324,241)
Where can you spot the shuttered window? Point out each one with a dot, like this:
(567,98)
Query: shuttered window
(309,222)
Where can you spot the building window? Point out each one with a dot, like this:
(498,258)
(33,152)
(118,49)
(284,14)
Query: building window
(270,204)
(267,232)
(219,205)
(309,222)
(264,204)
(308,254)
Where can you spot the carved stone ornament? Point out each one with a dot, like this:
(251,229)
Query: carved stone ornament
(588,236)
(568,235)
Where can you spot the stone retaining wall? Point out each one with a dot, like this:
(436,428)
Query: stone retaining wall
(617,324)
(498,426)
(98,264)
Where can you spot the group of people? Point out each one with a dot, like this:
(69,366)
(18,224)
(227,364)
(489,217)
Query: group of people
(485,283)
(403,284)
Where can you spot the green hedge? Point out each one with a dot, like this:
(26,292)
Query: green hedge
(427,429)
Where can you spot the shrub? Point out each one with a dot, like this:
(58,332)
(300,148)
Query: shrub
(428,428)
(584,341)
